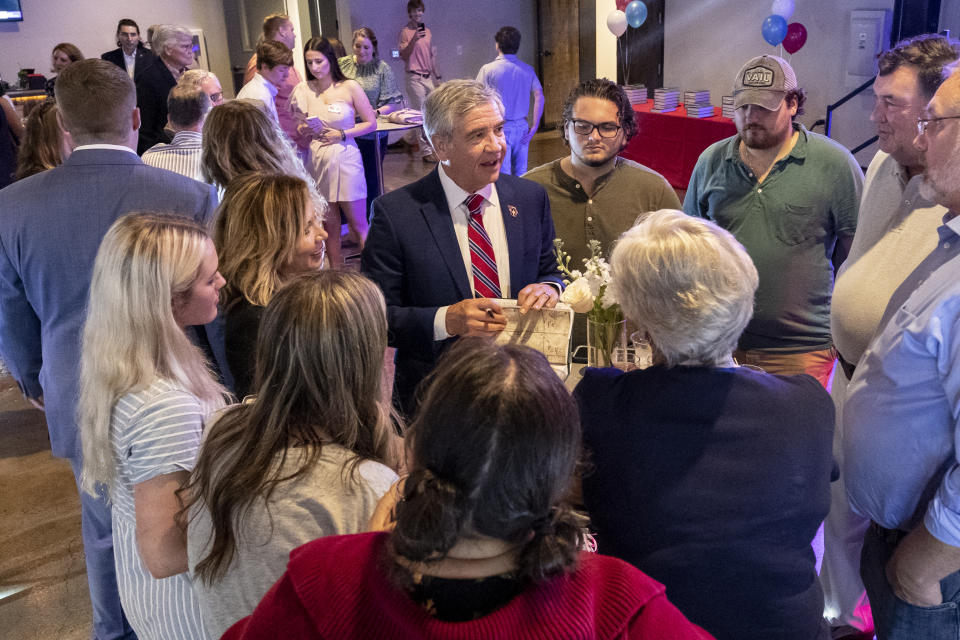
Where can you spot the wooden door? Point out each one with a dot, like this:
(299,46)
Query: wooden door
(642,50)
(559,54)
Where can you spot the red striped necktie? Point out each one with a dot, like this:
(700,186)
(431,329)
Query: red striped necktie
(486,282)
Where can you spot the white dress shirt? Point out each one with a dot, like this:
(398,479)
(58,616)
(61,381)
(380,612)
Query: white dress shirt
(259,88)
(115,147)
(492,223)
(130,62)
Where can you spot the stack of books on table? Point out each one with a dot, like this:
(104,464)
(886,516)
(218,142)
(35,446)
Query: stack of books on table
(699,110)
(697,103)
(636,93)
(695,97)
(727,102)
(666,99)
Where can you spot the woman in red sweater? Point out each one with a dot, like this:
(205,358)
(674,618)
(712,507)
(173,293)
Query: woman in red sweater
(485,543)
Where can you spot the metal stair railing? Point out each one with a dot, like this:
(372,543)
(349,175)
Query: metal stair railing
(833,107)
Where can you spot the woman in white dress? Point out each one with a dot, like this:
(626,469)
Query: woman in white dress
(331,111)
(145,392)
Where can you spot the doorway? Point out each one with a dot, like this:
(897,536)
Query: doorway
(559,52)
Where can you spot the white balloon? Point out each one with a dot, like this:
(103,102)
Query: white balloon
(783,8)
(617,22)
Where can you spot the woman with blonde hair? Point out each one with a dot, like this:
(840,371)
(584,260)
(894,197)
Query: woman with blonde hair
(145,392)
(331,110)
(238,137)
(45,145)
(269,228)
(310,457)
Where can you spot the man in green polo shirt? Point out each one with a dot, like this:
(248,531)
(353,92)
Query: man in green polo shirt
(790,197)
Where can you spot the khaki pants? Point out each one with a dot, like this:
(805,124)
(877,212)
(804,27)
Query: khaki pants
(818,364)
(418,88)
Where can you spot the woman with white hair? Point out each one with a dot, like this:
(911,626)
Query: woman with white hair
(709,477)
(145,393)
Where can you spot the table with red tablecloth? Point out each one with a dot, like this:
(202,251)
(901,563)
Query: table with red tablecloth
(670,143)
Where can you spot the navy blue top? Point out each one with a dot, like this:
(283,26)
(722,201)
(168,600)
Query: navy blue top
(8,151)
(713,482)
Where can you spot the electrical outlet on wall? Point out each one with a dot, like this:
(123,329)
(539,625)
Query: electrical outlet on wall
(459,49)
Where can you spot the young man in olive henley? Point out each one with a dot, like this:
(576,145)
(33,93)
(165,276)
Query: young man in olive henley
(594,194)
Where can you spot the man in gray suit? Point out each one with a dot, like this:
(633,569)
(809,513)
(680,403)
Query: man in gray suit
(51,225)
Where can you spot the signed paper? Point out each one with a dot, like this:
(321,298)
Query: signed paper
(546,330)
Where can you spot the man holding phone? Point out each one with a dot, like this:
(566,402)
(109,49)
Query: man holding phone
(420,56)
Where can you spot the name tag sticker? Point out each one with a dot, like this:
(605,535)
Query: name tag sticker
(334,108)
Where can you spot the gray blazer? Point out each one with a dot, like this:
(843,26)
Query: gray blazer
(51,225)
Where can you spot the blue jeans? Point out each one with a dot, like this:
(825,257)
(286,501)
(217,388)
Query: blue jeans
(515,160)
(895,619)
(366,145)
(109,621)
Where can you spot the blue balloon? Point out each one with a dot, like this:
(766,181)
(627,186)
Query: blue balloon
(637,14)
(774,29)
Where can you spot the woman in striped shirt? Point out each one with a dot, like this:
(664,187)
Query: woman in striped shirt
(145,391)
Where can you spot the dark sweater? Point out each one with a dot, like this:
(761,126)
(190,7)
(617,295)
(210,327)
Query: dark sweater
(153,85)
(713,482)
(241,325)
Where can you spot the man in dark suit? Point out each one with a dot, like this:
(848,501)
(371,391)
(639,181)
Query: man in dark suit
(174,46)
(130,54)
(50,229)
(445,247)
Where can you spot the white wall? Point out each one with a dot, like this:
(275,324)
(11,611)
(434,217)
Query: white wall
(707,41)
(469,25)
(92,24)
(606,41)
(950,17)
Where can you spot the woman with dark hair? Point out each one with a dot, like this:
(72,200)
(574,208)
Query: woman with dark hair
(269,229)
(331,111)
(378,82)
(310,457)
(710,477)
(485,543)
(45,145)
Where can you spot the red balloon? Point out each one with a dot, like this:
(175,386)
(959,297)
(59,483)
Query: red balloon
(622,4)
(795,38)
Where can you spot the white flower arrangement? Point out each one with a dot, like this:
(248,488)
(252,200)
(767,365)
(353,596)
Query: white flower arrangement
(588,290)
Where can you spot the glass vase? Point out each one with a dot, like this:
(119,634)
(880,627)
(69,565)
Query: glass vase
(607,344)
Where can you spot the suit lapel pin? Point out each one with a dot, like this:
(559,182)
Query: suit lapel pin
(513,210)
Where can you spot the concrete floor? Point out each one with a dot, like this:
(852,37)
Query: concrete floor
(43,588)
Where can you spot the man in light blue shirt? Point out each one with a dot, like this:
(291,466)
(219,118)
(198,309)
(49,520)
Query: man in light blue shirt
(902,417)
(515,81)
(187,108)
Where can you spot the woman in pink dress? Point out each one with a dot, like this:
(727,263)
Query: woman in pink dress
(331,111)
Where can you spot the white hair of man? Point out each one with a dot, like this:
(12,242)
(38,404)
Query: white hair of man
(451,100)
(687,283)
(167,36)
(194,77)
